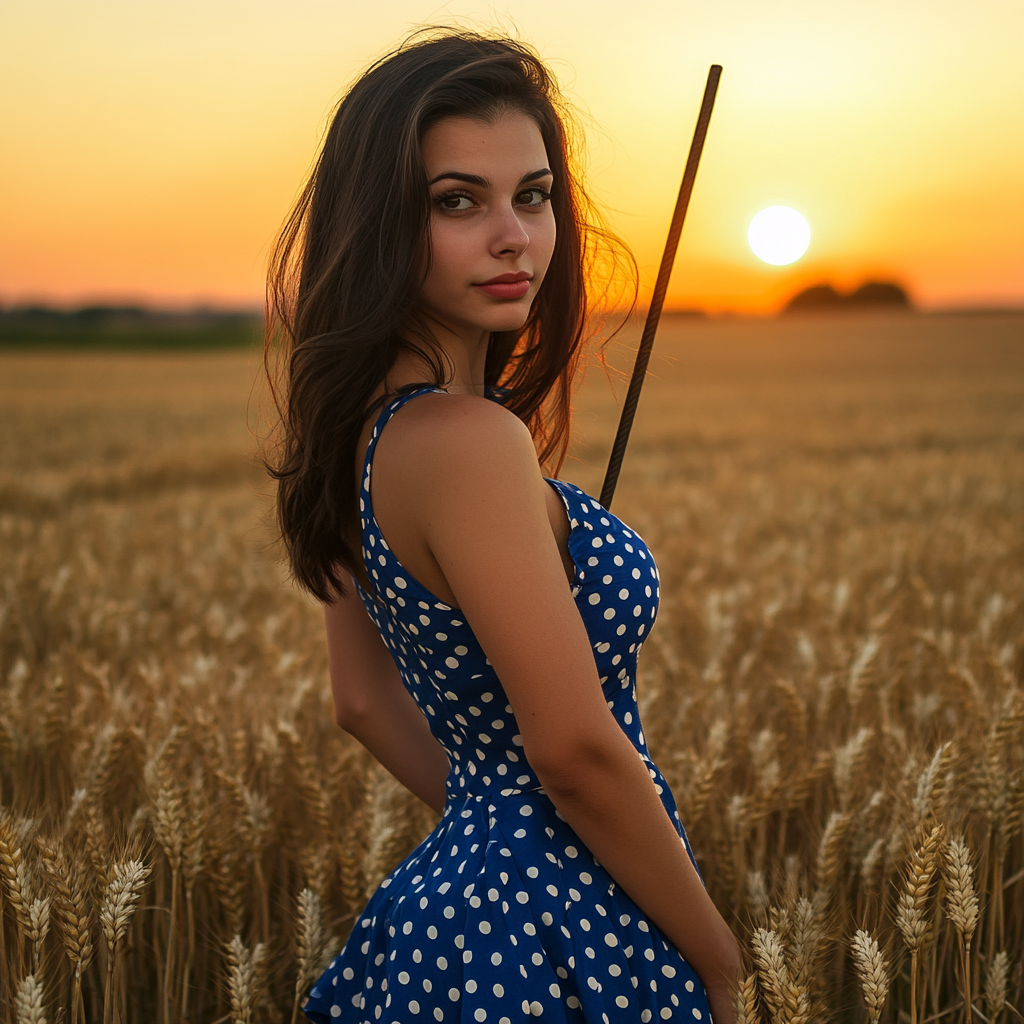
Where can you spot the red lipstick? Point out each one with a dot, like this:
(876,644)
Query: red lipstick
(507,286)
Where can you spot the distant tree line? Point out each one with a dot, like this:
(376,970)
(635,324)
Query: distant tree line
(126,327)
(872,295)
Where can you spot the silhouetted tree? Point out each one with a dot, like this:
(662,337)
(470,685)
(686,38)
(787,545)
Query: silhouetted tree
(870,295)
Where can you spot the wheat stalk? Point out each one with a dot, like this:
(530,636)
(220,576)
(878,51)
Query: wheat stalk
(995,986)
(39,928)
(786,1002)
(193,858)
(29,1001)
(932,782)
(961,905)
(12,869)
(74,919)
(872,970)
(168,821)
(313,945)
(747,1011)
(805,935)
(913,901)
(244,979)
(831,849)
(120,902)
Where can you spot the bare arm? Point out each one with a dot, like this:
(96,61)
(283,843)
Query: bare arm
(482,499)
(372,705)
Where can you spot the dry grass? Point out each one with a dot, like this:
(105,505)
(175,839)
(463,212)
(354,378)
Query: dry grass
(833,687)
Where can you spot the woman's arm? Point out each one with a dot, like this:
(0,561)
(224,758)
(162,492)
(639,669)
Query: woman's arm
(481,499)
(372,705)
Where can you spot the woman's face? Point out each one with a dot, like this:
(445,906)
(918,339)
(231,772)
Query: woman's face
(492,229)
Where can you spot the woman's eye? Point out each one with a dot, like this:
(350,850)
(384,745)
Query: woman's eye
(455,202)
(533,197)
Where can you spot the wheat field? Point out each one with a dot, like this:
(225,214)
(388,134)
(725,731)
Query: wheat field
(833,686)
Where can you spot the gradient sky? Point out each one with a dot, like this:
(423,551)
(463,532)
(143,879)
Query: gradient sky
(152,147)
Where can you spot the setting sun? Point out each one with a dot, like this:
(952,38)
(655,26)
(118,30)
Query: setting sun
(779,235)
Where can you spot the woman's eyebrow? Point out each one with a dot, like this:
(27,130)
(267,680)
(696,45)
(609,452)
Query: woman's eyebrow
(475,179)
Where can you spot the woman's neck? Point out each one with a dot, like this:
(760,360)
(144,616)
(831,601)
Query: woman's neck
(465,349)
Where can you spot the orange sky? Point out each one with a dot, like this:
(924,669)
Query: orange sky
(151,147)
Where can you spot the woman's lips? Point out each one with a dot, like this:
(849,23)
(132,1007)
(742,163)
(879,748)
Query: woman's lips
(506,289)
(507,286)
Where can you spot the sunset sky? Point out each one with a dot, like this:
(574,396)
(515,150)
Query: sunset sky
(151,148)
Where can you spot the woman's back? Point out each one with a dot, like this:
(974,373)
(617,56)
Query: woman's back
(502,911)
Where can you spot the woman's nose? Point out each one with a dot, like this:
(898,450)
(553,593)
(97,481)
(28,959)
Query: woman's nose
(510,237)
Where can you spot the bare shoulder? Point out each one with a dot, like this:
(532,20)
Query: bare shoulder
(439,437)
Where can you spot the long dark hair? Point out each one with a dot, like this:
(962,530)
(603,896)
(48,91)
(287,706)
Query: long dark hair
(349,264)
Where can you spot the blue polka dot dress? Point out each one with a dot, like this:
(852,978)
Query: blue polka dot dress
(502,914)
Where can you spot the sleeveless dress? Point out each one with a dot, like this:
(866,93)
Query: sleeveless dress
(502,914)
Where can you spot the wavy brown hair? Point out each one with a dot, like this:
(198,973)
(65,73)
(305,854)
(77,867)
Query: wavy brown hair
(347,269)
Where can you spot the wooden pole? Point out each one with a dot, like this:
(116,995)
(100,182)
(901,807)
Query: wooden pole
(643,354)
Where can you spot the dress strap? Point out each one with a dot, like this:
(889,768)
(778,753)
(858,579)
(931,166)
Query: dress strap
(386,413)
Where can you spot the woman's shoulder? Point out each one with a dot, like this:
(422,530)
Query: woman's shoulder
(446,432)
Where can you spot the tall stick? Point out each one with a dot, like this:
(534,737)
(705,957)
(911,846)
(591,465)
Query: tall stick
(643,354)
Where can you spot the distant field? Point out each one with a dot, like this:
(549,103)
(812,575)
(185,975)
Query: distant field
(837,511)
(92,330)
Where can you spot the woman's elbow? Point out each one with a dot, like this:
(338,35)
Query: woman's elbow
(574,770)
(351,710)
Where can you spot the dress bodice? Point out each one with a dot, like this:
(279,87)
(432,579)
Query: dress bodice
(442,665)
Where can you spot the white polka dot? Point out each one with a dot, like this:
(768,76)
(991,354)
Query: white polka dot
(621,1001)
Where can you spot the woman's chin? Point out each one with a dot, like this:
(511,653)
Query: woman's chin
(509,318)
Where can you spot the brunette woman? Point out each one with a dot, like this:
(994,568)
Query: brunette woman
(483,621)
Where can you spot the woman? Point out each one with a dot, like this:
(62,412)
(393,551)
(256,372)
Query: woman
(483,621)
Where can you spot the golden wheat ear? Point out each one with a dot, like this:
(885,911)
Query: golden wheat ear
(29,1001)
(996,980)
(873,972)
